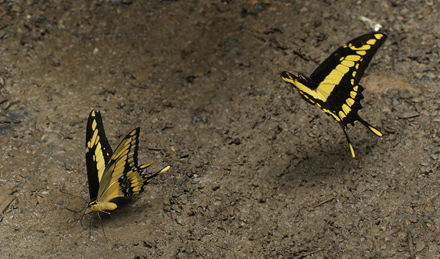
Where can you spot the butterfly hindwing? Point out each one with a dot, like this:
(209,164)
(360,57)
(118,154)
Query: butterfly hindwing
(98,152)
(334,85)
(122,177)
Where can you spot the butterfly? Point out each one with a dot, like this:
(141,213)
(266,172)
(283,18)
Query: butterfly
(334,85)
(111,174)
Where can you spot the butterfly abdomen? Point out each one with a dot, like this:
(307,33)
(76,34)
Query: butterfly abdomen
(102,206)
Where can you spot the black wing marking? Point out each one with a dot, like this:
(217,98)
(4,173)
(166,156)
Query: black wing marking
(98,152)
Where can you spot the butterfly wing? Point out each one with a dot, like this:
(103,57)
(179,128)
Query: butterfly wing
(123,177)
(334,85)
(337,78)
(98,152)
(361,50)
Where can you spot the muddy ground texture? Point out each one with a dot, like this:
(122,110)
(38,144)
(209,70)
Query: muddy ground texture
(256,171)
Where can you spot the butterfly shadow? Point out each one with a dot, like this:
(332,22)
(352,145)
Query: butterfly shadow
(315,167)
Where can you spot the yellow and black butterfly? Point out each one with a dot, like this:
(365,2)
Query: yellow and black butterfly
(334,85)
(112,175)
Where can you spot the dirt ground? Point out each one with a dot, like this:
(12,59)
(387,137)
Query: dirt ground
(256,171)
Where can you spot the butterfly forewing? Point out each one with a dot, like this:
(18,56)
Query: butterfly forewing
(98,152)
(360,50)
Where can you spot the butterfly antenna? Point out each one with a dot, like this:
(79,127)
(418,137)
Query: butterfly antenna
(82,216)
(82,211)
(73,195)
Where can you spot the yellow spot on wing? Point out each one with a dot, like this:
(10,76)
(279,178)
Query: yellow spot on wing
(325,89)
(347,63)
(341,68)
(119,169)
(98,154)
(363,47)
(353,94)
(335,74)
(371,42)
(94,139)
(350,102)
(121,151)
(331,80)
(345,108)
(378,36)
(353,58)
(341,115)
(361,52)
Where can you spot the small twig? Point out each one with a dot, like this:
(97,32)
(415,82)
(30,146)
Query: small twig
(10,104)
(139,86)
(10,122)
(6,199)
(308,253)
(155,149)
(409,240)
(409,116)
(323,202)
(184,156)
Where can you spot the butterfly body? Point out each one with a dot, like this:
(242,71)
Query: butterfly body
(334,85)
(102,206)
(112,175)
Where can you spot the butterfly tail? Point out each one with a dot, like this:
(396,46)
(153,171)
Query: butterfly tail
(146,165)
(148,178)
(348,140)
(371,128)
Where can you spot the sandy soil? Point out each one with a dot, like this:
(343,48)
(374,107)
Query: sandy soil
(267,175)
